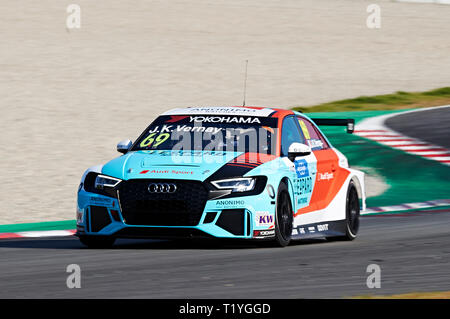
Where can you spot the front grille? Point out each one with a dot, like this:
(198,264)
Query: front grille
(184,207)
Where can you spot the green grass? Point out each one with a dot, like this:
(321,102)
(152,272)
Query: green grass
(394,101)
(412,295)
(409,176)
(58,225)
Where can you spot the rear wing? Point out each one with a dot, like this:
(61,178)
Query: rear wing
(350,123)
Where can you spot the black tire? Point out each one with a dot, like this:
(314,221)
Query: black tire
(97,241)
(352,213)
(283,217)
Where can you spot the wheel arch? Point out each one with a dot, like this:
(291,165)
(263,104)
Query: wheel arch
(290,186)
(357,179)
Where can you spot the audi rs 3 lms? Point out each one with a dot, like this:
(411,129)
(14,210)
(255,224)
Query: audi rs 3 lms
(223,172)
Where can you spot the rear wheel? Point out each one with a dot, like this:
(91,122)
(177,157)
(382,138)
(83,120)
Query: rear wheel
(284,217)
(351,215)
(97,241)
(353,211)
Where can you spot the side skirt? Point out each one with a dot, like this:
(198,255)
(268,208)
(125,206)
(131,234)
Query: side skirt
(318,230)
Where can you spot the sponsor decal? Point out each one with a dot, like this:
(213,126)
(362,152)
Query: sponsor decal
(230,203)
(156,172)
(176,172)
(310,229)
(301,168)
(225,119)
(180,153)
(101,200)
(264,219)
(325,176)
(176,118)
(264,233)
(166,171)
(313,143)
(305,185)
(220,110)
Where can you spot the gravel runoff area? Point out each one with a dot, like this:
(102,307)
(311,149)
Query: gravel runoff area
(68,96)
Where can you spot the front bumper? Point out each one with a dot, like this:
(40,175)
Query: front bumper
(238,217)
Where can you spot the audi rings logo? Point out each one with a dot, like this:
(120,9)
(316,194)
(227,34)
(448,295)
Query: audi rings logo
(162,188)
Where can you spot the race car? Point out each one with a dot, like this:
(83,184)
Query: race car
(223,172)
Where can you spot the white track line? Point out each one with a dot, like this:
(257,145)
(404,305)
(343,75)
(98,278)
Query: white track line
(408,206)
(419,147)
(48,233)
(37,234)
(374,129)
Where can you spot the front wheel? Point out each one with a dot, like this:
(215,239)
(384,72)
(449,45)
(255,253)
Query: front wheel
(284,217)
(97,241)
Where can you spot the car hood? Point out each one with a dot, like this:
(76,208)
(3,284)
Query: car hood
(193,165)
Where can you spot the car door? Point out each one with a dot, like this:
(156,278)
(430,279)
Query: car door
(327,163)
(303,168)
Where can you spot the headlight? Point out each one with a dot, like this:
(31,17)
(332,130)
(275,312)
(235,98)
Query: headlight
(244,184)
(102,181)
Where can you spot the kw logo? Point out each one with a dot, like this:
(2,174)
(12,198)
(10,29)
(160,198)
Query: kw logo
(265,219)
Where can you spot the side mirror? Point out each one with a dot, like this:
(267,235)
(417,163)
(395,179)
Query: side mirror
(124,146)
(298,149)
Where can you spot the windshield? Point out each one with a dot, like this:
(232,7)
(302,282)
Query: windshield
(210,133)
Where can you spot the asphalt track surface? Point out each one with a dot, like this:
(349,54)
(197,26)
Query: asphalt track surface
(412,249)
(432,126)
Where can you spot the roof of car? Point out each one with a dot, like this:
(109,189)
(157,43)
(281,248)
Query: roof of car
(228,110)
